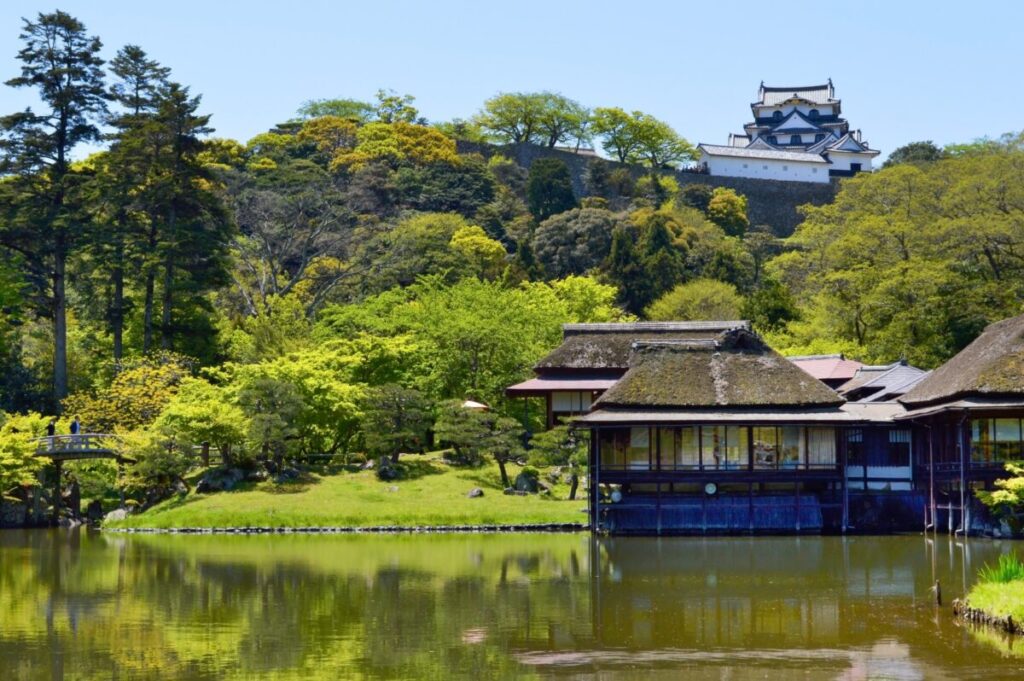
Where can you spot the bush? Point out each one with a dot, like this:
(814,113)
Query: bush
(1009,568)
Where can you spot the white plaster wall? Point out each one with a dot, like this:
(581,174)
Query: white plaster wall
(766,169)
(841,160)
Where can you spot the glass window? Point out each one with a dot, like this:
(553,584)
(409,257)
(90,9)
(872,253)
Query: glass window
(899,448)
(712,444)
(821,447)
(813,113)
(1007,439)
(793,446)
(796,139)
(855,447)
(613,448)
(689,448)
(668,447)
(819,137)
(639,454)
(766,448)
(776,115)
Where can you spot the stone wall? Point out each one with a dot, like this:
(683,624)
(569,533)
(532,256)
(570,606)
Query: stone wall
(770,202)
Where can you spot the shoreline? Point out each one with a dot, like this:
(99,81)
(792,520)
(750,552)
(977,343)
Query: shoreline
(965,612)
(380,529)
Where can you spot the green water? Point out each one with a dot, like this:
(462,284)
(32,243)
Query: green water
(84,605)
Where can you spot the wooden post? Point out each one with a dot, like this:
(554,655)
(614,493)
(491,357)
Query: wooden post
(205,453)
(58,501)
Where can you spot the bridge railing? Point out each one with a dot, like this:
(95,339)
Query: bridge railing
(81,442)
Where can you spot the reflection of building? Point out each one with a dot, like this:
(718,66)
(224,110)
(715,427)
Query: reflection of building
(797,134)
(701,427)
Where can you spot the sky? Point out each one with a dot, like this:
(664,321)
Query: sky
(905,71)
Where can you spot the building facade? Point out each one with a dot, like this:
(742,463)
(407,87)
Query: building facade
(703,428)
(797,135)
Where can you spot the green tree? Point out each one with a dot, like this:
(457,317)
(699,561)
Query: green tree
(350,109)
(696,196)
(702,299)
(395,420)
(19,464)
(549,188)
(475,433)
(393,107)
(62,64)
(574,241)
(561,446)
(657,144)
(915,152)
(617,131)
(202,413)
(478,254)
(728,210)
(513,117)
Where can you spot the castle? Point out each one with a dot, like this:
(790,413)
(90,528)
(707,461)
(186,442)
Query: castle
(797,134)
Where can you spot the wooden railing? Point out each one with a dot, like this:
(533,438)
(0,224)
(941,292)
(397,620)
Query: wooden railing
(82,442)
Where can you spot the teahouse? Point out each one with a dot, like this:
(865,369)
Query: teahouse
(701,427)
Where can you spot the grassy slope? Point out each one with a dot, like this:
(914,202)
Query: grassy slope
(999,599)
(432,494)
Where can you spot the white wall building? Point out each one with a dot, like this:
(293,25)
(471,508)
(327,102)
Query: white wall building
(797,134)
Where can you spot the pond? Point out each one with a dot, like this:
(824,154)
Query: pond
(88,605)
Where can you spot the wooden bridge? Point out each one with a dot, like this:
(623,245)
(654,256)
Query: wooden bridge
(74,447)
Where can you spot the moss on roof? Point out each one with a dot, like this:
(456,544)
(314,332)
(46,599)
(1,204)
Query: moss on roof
(608,346)
(992,365)
(736,369)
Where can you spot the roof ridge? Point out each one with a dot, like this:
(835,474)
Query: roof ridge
(625,327)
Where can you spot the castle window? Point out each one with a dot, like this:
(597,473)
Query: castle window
(765,167)
(777,115)
(796,140)
(813,113)
(744,165)
(819,137)
(785,167)
(772,139)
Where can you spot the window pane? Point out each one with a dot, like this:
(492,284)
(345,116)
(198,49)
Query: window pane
(899,448)
(613,448)
(855,447)
(792,446)
(766,447)
(737,439)
(713,446)
(689,453)
(668,446)
(639,448)
(981,440)
(821,446)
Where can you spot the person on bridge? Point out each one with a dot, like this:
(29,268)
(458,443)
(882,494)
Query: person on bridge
(76,426)
(51,428)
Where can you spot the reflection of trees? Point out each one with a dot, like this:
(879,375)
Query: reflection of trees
(210,607)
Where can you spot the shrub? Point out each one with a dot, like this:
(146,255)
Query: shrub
(1009,568)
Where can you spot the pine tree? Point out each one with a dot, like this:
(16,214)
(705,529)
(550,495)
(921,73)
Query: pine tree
(61,62)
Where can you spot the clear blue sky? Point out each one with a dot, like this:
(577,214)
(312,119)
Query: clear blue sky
(946,71)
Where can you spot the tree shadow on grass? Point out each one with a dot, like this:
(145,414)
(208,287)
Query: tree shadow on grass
(412,469)
(485,478)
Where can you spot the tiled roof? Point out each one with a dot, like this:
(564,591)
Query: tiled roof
(819,94)
(746,152)
(827,367)
(873,383)
(571,384)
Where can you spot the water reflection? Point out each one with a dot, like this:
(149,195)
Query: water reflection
(86,605)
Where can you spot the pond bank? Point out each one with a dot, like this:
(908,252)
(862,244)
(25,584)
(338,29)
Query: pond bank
(966,613)
(382,529)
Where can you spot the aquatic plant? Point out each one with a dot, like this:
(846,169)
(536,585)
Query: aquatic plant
(1009,568)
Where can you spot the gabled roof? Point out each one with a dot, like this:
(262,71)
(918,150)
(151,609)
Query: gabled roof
(992,365)
(827,367)
(738,140)
(796,122)
(849,143)
(608,346)
(770,154)
(817,94)
(734,370)
(819,147)
(876,383)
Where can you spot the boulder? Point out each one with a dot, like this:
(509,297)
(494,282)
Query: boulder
(475,493)
(219,480)
(544,487)
(287,474)
(393,488)
(527,481)
(116,514)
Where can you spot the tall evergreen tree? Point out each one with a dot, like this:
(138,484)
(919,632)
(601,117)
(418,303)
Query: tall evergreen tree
(62,63)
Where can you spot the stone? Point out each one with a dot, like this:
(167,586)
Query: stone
(393,488)
(544,487)
(116,514)
(219,480)
(475,493)
(287,474)
(12,514)
(526,482)
(368,466)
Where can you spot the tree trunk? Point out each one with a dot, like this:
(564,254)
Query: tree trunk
(117,313)
(60,323)
(147,313)
(504,474)
(168,300)
(574,482)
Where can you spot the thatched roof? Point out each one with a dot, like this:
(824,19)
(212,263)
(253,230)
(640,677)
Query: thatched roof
(992,365)
(608,346)
(735,369)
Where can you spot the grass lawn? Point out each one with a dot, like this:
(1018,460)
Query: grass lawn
(431,493)
(999,599)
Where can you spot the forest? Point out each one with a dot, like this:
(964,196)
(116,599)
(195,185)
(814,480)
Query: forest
(340,283)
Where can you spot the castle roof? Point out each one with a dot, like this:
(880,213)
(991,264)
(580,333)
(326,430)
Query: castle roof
(817,94)
(750,152)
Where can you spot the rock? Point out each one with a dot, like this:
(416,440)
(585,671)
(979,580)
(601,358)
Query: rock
(393,488)
(116,514)
(219,480)
(69,522)
(527,482)
(73,500)
(475,493)
(368,466)
(12,514)
(94,512)
(544,487)
(287,474)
